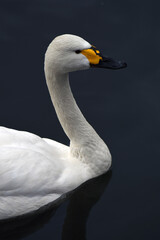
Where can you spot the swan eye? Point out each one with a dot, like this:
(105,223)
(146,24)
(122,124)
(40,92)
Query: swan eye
(77,51)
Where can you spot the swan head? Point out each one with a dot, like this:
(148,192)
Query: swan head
(68,53)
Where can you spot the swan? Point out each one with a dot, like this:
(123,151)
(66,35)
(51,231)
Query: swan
(35,171)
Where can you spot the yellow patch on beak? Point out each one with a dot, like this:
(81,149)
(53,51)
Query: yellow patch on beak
(93,58)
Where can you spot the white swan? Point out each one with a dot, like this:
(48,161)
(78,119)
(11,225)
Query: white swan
(35,171)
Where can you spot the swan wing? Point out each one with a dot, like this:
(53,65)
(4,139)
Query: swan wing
(28,164)
(31,169)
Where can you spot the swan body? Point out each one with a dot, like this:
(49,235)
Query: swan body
(35,171)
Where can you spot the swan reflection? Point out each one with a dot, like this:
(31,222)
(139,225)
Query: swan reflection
(81,201)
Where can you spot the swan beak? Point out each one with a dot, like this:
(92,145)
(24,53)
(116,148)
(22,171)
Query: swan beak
(96,59)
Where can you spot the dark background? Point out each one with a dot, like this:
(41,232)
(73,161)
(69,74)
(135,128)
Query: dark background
(123,106)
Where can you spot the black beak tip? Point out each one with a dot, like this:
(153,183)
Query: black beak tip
(118,65)
(123,64)
(110,64)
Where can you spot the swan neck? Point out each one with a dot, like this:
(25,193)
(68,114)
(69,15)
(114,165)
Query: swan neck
(85,144)
(71,118)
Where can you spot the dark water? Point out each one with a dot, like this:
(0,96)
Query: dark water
(123,106)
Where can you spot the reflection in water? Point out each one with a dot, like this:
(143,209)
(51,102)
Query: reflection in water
(22,226)
(81,201)
(80,205)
